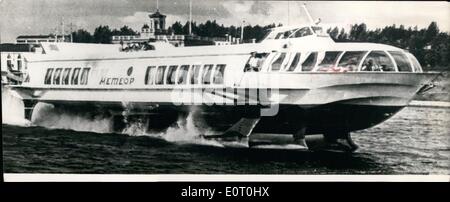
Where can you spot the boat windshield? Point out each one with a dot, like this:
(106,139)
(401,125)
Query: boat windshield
(317,30)
(416,65)
(305,31)
(378,61)
(266,35)
(292,33)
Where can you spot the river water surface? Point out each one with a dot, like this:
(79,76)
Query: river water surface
(414,141)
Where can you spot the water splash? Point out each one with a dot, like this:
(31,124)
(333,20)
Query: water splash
(185,131)
(48,116)
(12,108)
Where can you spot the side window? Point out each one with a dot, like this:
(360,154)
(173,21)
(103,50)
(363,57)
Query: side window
(57,76)
(170,78)
(416,65)
(309,63)
(219,74)
(255,62)
(195,73)
(276,64)
(84,76)
(65,77)
(329,60)
(160,75)
(150,75)
(9,62)
(19,62)
(294,62)
(182,74)
(305,31)
(207,74)
(48,76)
(288,33)
(75,75)
(350,60)
(279,35)
(402,61)
(378,61)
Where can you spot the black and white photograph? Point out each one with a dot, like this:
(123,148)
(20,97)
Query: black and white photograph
(225,90)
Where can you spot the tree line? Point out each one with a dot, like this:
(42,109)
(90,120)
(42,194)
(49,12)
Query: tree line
(429,45)
(102,34)
(213,29)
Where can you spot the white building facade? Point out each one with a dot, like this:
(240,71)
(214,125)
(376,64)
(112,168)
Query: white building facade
(36,39)
(153,31)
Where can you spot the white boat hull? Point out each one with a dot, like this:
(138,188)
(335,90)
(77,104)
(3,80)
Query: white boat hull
(326,101)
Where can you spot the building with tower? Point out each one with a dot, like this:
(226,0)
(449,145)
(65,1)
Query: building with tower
(158,21)
(155,30)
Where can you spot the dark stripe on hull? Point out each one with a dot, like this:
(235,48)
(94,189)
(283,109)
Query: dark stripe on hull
(319,119)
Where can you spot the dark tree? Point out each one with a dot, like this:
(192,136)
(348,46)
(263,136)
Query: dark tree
(358,32)
(169,30)
(102,34)
(177,28)
(186,28)
(432,31)
(334,33)
(125,30)
(82,36)
(342,36)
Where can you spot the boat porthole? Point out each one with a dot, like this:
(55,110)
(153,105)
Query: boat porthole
(130,70)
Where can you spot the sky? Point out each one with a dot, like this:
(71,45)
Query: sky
(45,16)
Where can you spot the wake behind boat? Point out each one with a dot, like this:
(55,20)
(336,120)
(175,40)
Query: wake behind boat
(297,81)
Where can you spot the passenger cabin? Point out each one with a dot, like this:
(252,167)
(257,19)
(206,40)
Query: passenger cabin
(309,49)
(301,49)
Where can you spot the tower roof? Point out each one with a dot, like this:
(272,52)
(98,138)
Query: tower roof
(157,14)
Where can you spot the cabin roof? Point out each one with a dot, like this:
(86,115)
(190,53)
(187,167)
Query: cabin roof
(351,46)
(290,27)
(9,47)
(65,51)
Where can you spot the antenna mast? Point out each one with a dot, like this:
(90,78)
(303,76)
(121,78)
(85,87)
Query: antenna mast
(288,12)
(242,31)
(56,33)
(71,32)
(62,29)
(190,17)
(307,13)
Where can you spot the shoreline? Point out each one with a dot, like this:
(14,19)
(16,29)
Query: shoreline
(437,104)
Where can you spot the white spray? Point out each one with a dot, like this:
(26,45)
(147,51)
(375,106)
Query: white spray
(184,131)
(46,115)
(12,108)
